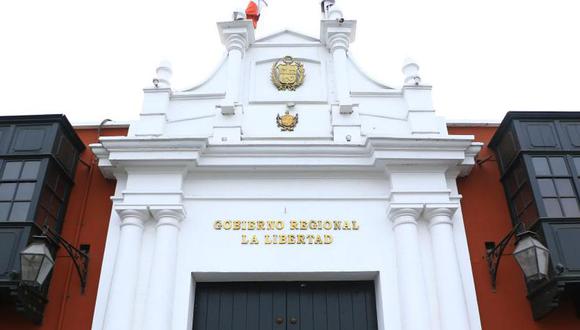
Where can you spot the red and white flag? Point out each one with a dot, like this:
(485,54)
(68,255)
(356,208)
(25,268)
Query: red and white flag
(253,11)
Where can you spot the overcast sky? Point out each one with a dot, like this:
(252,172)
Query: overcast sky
(91,59)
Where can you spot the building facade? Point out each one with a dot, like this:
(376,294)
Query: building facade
(292,191)
(288,165)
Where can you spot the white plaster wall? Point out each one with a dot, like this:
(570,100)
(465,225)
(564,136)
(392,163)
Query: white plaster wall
(369,249)
(383,110)
(208,197)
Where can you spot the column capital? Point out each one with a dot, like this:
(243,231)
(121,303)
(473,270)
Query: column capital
(236,35)
(336,34)
(440,213)
(404,213)
(168,215)
(132,214)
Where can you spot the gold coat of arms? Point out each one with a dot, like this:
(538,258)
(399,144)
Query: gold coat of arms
(287,74)
(286,122)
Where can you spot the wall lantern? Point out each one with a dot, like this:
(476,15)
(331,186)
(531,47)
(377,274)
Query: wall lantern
(36,260)
(531,255)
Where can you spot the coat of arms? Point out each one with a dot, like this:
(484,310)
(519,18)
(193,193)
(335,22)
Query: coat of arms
(286,122)
(287,74)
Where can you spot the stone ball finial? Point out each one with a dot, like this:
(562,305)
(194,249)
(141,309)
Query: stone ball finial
(411,71)
(163,75)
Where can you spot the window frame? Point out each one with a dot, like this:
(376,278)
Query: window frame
(572,175)
(38,182)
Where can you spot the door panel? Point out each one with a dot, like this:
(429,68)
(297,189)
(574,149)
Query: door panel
(285,306)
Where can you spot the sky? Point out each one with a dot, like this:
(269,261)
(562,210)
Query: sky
(91,59)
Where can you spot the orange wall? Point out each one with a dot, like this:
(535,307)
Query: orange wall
(86,222)
(487,218)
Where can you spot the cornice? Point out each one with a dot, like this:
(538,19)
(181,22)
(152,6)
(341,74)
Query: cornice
(375,151)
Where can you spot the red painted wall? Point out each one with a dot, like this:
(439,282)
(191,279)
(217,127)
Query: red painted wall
(487,218)
(86,222)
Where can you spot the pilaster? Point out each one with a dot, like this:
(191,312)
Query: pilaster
(159,304)
(236,37)
(412,287)
(421,114)
(121,302)
(337,34)
(450,292)
(155,104)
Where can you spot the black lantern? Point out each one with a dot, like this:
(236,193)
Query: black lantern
(532,256)
(36,262)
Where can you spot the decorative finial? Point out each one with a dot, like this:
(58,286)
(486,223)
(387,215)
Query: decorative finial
(335,13)
(411,71)
(163,75)
(325,7)
(238,15)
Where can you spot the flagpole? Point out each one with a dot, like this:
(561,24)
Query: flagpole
(260,5)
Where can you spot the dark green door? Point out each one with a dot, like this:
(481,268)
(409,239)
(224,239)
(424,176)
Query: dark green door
(285,306)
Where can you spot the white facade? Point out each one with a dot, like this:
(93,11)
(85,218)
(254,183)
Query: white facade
(360,152)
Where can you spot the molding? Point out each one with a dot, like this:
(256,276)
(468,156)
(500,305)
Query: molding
(284,198)
(236,35)
(386,94)
(191,118)
(157,90)
(470,154)
(471,123)
(132,215)
(331,27)
(312,101)
(107,125)
(285,44)
(287,31)
(197,96)
(401,213)
(437,214)
(168,215)
(117,153)
(376,115)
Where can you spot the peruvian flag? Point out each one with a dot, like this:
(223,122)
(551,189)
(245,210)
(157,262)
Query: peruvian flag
(253,11)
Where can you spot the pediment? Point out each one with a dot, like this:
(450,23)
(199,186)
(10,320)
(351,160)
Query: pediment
(287,37)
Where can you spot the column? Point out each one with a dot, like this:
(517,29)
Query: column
(158,310)
(236,48)
(337,35)
(338,44)
(450,294)
(120,305)
(236,37)
(412,289)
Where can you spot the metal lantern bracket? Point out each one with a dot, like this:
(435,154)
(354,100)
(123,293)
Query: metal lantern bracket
(80,259)
(494,253)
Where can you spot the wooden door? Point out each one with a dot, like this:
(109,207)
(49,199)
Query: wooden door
(346,305)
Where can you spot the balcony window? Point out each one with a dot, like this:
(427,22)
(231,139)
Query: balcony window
(556,186)
(17,185)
